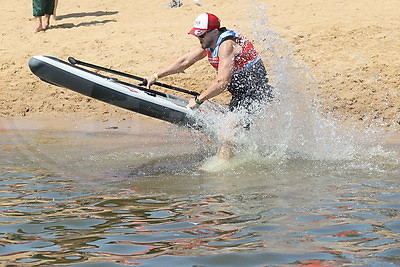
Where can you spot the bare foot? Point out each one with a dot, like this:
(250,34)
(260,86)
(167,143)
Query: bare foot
(39,25)
(38,29)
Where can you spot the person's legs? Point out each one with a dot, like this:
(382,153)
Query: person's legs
(48,9)
(46,23)
(226,150)
(38,12)
(249,89)
(227,134)
(39,25)
(55,9)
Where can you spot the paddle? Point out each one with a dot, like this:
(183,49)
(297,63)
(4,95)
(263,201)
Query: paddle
(74,61)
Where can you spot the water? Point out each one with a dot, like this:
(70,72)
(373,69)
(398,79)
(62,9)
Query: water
(139,198)
(302,191)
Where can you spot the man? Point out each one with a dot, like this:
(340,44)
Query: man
(238,65)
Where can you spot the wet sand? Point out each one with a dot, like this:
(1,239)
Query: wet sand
(88,124)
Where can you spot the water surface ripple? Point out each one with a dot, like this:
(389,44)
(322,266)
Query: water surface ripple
(120,206)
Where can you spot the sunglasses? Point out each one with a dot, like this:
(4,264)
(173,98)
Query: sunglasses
(204,34)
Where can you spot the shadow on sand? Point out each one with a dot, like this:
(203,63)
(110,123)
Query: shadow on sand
(83,24)
(87,14)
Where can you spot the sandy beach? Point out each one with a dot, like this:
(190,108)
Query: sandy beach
(351,49)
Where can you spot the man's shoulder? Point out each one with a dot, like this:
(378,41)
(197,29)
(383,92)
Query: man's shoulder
(229,46)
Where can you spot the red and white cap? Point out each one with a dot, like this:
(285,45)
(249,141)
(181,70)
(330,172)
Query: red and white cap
(203,23)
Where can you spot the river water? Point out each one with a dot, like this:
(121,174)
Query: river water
(302,190)
(108,195)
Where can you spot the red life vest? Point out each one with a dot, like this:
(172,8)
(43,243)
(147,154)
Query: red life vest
(246,58)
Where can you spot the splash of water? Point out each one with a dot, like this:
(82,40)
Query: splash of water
(293,125)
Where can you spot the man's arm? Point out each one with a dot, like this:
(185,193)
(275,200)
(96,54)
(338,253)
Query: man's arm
(227,52)
(178,65)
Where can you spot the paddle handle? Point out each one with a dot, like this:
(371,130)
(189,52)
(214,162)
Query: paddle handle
(74,61)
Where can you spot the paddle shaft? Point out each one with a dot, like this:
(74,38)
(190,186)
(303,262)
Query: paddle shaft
(74,61)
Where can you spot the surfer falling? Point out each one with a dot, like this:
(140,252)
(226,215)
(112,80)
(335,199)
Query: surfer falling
(239,69)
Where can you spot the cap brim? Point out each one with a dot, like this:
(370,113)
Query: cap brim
(197,32)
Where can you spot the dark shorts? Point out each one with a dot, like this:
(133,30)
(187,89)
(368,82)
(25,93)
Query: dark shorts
(250,86)
(42,7)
